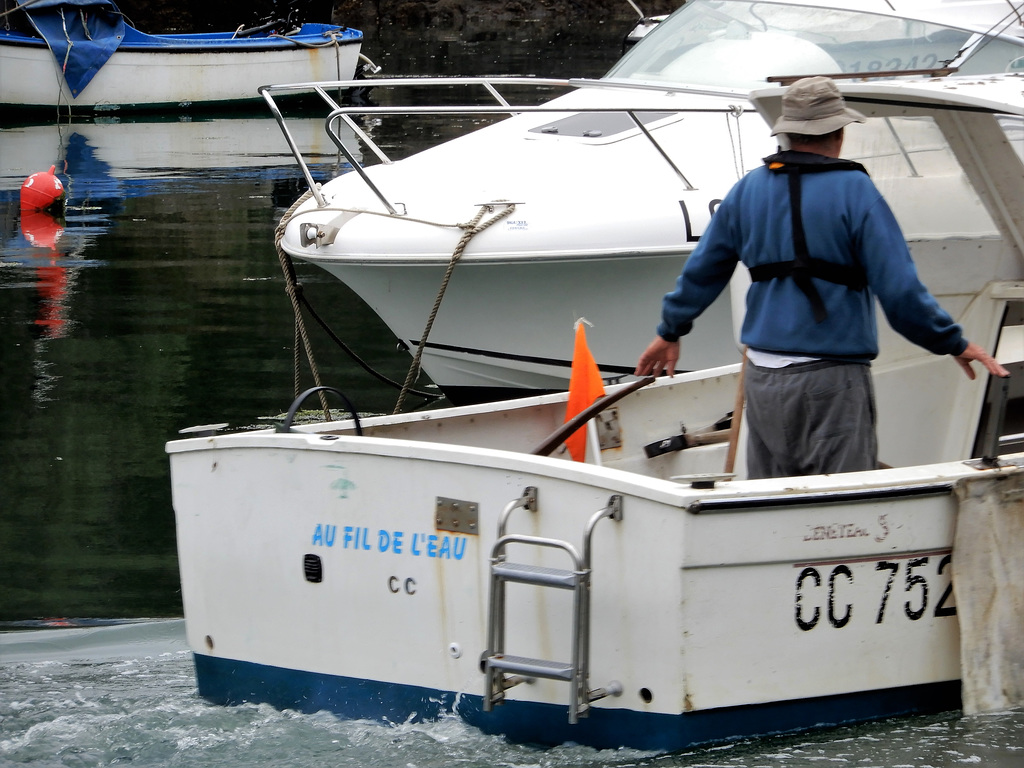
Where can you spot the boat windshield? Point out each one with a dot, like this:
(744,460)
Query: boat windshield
(735,44)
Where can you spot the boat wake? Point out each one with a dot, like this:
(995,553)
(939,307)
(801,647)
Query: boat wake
(96,695)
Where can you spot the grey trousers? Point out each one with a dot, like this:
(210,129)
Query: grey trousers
(809,419)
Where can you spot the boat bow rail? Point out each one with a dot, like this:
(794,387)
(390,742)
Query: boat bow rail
(643,118)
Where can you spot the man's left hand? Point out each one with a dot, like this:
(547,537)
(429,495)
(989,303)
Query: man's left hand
(974,352)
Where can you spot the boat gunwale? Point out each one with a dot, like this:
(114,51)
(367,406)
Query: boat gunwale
(761,495)
(180,44)
(441,259)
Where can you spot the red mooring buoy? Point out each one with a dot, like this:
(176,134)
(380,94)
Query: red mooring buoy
(43,191)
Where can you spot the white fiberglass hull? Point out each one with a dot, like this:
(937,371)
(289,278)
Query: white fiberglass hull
(486,342)
(323,570)
(152,79)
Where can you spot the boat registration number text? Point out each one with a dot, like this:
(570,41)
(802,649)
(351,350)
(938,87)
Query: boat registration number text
(838,594)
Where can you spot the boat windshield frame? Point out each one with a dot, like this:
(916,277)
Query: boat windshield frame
(746,43)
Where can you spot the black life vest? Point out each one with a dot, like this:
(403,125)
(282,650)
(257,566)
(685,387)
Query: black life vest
(803,267)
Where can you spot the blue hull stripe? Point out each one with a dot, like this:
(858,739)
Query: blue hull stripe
(225,681)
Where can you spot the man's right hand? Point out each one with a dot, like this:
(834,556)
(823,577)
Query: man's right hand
(659,358)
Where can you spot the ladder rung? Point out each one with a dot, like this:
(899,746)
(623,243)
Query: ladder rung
(535,574)
(556,670)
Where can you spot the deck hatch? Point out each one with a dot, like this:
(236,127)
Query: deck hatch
(594,125)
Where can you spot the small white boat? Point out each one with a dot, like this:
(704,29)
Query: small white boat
(447,562)
(82,56)
(595,198)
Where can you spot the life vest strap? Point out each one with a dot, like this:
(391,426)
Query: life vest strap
(842,274)
(804,266)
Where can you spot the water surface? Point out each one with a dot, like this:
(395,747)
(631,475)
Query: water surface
(159,306)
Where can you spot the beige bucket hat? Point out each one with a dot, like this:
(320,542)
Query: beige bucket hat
(813,106)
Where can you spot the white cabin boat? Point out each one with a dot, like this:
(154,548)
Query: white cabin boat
(81,56)
(421,565)
(596,198)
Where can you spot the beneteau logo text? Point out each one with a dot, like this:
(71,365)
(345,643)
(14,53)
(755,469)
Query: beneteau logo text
(846,531)
(835,531)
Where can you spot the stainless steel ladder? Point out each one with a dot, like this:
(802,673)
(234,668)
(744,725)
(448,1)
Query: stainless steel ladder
(503,670)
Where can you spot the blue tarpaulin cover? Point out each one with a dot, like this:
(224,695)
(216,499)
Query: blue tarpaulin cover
(81,34)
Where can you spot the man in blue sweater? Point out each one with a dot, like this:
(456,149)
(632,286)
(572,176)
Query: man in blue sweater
(820,243)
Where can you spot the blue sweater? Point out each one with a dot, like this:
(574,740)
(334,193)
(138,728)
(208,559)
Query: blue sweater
(847,221)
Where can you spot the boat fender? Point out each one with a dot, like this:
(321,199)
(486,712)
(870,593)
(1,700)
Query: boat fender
(42,191)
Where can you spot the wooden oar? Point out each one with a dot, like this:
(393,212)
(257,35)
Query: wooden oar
(737,418)
(559,435)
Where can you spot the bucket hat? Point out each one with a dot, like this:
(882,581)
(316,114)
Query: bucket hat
(813,106)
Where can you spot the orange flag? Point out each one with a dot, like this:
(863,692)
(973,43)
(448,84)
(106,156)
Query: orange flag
(585,386)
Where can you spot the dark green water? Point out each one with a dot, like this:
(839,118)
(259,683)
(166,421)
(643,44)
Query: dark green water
(162,306)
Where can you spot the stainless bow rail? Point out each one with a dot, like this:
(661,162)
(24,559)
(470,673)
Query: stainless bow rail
(344,114)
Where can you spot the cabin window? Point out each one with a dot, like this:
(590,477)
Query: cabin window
(916,171)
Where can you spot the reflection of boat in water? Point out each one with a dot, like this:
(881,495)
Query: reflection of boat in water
(104,163)
(606,189)
(416,565)
(81,55)
(126,150)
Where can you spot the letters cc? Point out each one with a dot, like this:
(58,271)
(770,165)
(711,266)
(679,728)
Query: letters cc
(396,585)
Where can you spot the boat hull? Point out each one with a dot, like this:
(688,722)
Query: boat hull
(323,570)
(230,682)
(474,363)
(158,79)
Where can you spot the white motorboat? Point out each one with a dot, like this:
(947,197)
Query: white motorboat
(446,562)
(81,56)
(596,197)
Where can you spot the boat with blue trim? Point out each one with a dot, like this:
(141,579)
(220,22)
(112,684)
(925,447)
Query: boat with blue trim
(458,562)
(81,56)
